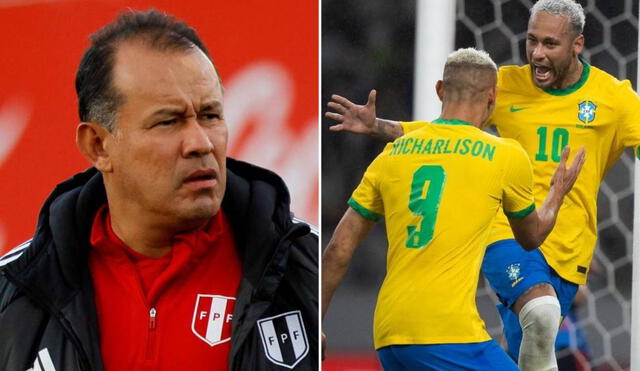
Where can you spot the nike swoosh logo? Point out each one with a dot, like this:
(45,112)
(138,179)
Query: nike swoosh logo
(516,109)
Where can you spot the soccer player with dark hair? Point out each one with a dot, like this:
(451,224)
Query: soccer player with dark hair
(438,187)
(166,254)
(556,100)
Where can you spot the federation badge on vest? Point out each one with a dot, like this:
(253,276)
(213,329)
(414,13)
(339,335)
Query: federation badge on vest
(212,318)
(586,111)
(284,338)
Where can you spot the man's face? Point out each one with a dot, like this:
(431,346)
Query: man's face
(551,49)
(169,146)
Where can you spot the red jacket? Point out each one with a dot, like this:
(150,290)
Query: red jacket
(169,313)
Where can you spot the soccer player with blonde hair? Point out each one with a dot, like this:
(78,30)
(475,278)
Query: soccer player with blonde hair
(426,317)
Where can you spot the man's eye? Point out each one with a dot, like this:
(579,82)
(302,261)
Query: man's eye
(166,122)
(211,116)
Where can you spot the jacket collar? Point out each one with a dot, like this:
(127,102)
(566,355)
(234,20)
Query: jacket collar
(256,202)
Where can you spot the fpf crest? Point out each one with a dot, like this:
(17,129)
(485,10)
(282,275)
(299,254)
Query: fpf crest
(284,338)
(212,318)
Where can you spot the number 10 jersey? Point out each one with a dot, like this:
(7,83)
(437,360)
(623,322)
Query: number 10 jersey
(600,113)
(438,189)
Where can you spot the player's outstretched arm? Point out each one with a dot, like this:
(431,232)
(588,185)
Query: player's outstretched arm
(533,229)
(351,230)
(361,119)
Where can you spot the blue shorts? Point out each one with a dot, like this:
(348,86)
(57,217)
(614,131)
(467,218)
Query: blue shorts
(512,270)
(446,357)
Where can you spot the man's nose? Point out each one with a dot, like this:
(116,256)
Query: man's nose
(196,141)
(538,52)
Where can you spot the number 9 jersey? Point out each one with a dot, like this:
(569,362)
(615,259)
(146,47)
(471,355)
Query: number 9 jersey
(600,113)
(439,188)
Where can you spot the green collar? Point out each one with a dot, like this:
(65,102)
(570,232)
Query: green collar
(450,122)
(570,89)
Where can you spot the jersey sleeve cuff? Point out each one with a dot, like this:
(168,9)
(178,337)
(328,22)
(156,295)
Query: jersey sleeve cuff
(368,214)
(520,214)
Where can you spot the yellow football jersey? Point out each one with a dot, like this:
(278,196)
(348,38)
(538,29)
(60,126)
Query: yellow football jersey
(438,189)
(600,113)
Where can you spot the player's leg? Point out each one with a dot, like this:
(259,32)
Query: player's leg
(523,282)
(483,356)
(565,292)
(538,311)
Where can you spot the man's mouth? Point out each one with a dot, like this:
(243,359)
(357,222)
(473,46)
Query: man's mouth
(203,178)
(542,73)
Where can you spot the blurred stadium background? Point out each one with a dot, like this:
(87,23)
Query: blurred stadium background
(370,44)
(266,56)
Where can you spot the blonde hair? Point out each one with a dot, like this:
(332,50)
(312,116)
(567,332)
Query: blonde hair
(563,8)
(468,72)
(471,56)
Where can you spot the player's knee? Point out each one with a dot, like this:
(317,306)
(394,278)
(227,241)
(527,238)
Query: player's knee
(540,317)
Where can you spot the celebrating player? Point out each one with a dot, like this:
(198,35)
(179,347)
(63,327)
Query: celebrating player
(558,99)
(426,317)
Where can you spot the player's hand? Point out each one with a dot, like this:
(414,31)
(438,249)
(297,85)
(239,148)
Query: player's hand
(323,343)
(564,178)
(353,117)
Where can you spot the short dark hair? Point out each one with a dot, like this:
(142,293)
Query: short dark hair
(98,101)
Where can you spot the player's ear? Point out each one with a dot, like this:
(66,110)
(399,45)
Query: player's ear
(92,141)
(491,94)
(578,44)
(440,89)
(491,99)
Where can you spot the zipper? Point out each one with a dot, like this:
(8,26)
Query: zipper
(151,337)
(83,359)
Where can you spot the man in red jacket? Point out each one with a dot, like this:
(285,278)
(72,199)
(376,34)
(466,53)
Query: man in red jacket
(169,256)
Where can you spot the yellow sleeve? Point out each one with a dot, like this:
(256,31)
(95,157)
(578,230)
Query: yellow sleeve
(629,132)
(410,126)
(366,199)
(517,196)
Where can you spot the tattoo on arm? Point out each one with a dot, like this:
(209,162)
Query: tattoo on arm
(388,130)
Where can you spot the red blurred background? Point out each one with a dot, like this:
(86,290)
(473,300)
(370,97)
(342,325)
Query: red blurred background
(265,52)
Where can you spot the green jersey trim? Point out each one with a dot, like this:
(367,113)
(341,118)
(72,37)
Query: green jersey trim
(450,122)
(520,214)
(577,85)
(638,152)
(363,211)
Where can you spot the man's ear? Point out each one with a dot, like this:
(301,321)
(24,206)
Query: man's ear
(491,95)
(578,44)
(93,142)
(491,105)
(440,89)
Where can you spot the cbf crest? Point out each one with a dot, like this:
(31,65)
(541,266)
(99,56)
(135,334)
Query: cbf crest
(212,318)
(586,111)
(513,272)
(284,338)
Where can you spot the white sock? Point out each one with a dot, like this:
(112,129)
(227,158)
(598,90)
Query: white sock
(540,320)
